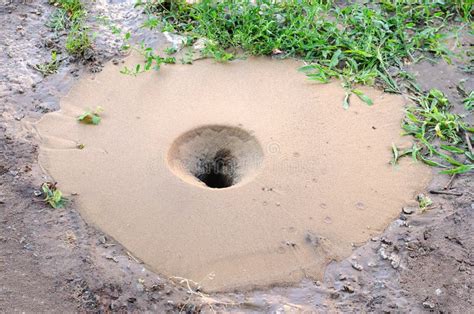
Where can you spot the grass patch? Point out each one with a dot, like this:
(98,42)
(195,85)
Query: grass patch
(70,16)
(442,138)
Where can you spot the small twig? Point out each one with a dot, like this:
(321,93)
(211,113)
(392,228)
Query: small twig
(133,258)
(445,192)
(450,182)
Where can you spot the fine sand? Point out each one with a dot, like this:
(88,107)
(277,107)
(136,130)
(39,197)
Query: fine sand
(310,178)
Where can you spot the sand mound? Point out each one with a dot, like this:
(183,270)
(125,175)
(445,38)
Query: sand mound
(231,175)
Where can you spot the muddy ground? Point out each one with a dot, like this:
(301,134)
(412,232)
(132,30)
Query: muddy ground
(51,260)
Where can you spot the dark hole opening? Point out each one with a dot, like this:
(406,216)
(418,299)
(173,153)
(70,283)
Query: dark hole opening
(218,172)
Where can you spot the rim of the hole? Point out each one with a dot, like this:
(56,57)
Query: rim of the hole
(236,180)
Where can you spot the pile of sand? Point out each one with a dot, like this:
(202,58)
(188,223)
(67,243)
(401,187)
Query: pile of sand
(301,178)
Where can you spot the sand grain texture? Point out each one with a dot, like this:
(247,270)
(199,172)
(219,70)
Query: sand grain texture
(324,180)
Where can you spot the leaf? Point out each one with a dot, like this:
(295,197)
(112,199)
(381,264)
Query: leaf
(469,155)
(363,97)
(335,58)
(53,196)
(452,149)
(91,117)
(459,170)
(345,102)
(395,154)
(430,162)
(449,159)
(359,52)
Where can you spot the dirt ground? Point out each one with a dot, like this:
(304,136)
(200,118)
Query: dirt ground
(51,260)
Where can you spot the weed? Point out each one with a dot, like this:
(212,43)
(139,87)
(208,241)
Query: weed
(50,67)
(59,20)
(70,15)
(151,61)
(170,50)
(424,202)
(52,195)
(431,122)
(469,101)
(78,40)
(91,116)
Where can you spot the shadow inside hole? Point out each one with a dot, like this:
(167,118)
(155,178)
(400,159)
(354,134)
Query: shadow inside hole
(217,172)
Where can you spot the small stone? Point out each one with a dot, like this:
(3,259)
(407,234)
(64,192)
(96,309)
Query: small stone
(334,295)
(348,288)
(342,277)
(408,210)
(395,260)
(357,266)
(382,253)
(102,240)
(371,264)
(429,305)
(312,239)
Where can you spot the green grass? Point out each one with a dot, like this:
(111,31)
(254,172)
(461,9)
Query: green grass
(366,44)
(70,15)
(442,139)
(50,67)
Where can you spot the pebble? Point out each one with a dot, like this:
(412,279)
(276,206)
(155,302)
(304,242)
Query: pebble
(395,260)
(408,210)
(428,305)
(371,264)
(382,253)
(357,266)
(348,288)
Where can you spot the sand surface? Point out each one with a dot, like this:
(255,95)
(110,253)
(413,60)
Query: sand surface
(320,179)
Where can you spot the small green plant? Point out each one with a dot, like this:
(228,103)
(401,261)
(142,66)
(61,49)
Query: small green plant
(151,61)
(70,15)
(91,116)
(78,40)
(59,20)
(469,101)
(52,195)
(50,67)
(424,202)
(170,50)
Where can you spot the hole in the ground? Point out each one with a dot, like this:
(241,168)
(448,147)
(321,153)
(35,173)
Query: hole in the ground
(217,172)
(215,156)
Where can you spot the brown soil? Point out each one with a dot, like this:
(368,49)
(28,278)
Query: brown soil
(51,260)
